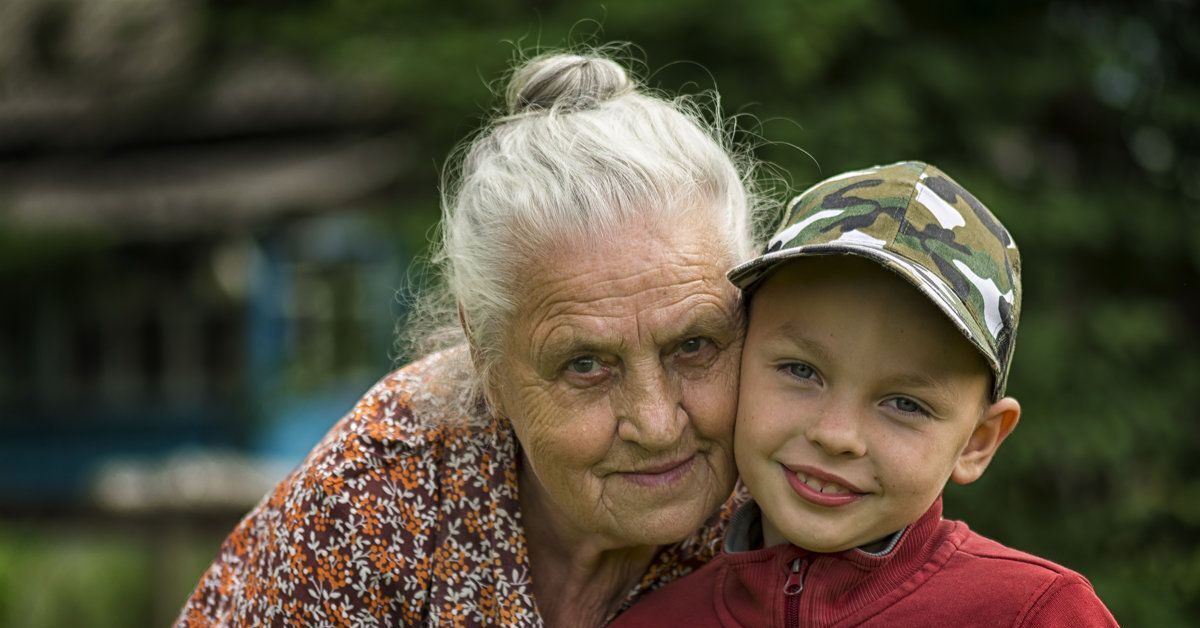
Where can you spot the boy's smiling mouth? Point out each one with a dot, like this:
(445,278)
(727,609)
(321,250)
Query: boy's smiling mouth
(821,487)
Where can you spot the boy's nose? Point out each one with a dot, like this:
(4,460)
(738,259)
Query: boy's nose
(835,429)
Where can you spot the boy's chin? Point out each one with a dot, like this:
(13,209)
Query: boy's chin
(826,547)
(825,536)
(810,542)
(834,542)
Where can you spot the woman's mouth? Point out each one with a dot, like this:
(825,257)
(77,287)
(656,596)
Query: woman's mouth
(661,475)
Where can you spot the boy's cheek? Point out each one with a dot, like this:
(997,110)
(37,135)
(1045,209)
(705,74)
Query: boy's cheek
(753,443)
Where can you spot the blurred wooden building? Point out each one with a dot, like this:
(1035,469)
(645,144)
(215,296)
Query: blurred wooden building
(197,245)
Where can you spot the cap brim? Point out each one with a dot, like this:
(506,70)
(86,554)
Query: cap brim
(749,274)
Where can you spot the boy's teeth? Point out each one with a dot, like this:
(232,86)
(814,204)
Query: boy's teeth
(829,488)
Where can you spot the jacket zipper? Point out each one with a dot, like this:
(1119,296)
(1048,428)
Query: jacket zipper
(792,587)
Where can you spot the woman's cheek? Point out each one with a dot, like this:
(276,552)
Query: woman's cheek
(571,435)
(721,387)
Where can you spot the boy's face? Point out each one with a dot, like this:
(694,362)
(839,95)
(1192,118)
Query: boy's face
(858,401)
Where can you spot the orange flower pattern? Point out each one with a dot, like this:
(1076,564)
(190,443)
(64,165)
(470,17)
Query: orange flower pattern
(399,519)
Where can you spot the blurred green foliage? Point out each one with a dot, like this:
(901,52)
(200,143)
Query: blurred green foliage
(1078,123)
(66,576)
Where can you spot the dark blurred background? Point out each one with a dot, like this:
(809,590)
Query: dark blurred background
(207,208)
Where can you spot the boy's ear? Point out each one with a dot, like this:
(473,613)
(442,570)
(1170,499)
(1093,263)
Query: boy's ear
(998,422)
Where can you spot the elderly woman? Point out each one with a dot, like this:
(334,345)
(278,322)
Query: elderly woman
(575,452)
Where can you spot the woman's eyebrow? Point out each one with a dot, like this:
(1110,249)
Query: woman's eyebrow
(709,324)
(556,351)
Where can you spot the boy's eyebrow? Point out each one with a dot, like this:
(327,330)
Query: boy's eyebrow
(916,380)
(789,332)
(932,390)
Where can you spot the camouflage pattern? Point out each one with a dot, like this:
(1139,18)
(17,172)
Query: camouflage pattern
(915,220)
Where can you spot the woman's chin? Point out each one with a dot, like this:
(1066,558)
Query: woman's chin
(660,515)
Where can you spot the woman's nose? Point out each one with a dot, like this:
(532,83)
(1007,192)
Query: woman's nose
(649,412)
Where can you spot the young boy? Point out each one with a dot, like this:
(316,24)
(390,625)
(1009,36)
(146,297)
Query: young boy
(882,319)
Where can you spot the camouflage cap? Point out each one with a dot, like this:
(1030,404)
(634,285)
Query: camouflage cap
(920,223)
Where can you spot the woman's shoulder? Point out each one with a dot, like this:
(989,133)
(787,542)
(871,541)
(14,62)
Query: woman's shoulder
(413,407)
(419,410)
(357,516)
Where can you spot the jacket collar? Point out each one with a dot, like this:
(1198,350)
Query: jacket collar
(744,534)
(843,586)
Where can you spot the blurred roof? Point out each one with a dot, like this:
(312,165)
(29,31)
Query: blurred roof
(122,116)
(213,187)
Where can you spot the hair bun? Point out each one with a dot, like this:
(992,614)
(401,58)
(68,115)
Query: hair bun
(565,82)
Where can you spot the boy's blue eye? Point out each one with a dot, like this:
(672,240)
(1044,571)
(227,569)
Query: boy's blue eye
(801,370)
(907,406)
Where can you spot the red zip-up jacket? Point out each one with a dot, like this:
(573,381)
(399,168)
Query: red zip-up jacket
(934,573)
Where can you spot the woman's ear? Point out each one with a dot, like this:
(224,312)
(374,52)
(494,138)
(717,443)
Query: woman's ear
(466,332)
(487,390)
(998,421)
(476,359)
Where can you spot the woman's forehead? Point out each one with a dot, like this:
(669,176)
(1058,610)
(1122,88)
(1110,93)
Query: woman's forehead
(699,315)
(635,264)
(623,291)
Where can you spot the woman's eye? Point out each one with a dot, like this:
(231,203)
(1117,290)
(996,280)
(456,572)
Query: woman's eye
(801,370)
(695,352)
(583,365)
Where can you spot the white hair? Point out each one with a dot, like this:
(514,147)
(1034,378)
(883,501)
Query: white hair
(582,151)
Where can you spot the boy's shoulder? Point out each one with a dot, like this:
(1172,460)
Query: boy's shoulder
(1038,591)
(977,547)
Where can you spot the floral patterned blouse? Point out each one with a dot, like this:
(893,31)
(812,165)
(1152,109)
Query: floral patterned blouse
(399,519)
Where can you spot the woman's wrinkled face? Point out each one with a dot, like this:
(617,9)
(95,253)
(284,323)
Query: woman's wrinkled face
(620,377)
